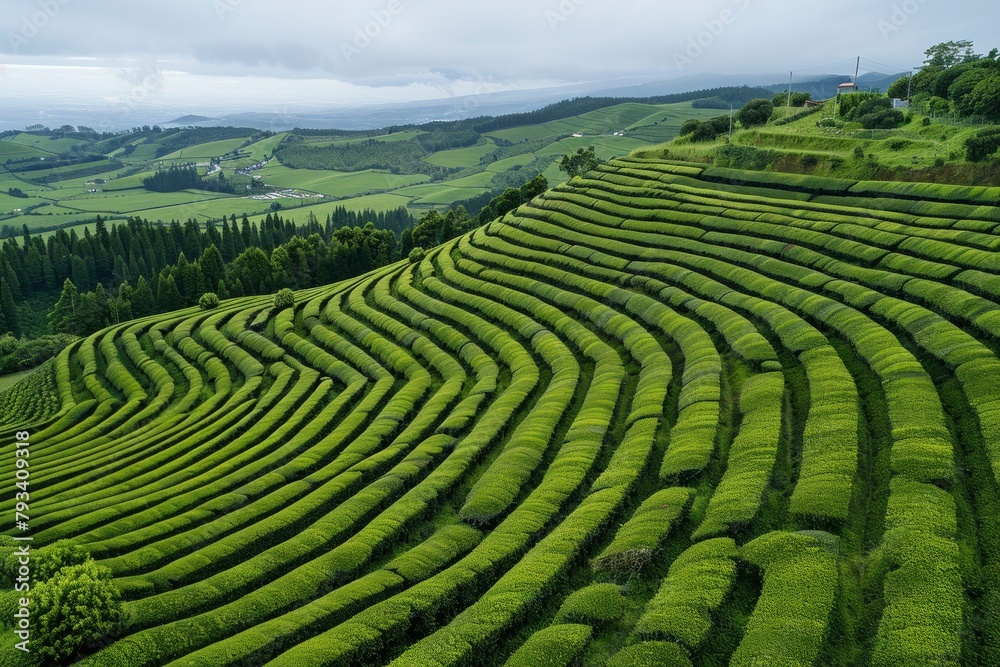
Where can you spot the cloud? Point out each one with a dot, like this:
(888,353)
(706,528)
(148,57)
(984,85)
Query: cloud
(405,43)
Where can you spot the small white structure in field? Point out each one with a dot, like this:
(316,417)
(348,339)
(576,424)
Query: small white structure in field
(900,104)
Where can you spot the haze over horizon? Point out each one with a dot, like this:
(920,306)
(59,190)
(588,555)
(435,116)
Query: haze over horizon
(59,58)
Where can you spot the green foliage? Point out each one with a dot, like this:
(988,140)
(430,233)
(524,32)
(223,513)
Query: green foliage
(579,163)
(77,609)
(19,354)
(695,587)
(640,537)
(208,301)
(416,255)
(949,54)
(434,228)
(285,298)
(735,156)
(512,198)
(755,112)
(983,144)
(595,605)
(706,130)
(797,99)
(554,646)
(789,623)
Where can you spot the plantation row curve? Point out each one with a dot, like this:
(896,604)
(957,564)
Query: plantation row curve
(663,414)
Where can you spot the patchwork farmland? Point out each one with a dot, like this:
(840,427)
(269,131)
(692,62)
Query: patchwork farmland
(665,414)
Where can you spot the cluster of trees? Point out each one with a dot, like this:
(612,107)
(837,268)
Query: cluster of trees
(514,197)
(873,110)
(297,263)
(955,80)
(706,130)
(16,192)
(176,179)
(755,112)
(138,249)
(21,354)
(580,162)
(796,99)
(138,268)
(173,179)
(393,156)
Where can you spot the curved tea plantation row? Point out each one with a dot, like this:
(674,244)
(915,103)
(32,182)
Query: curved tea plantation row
(662,415)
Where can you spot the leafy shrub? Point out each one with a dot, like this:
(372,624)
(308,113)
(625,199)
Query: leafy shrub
(982,145)
(208,301)
(696,585)
(555,646)
(705,130)
(24,353)
(732,156)
(594,605)
(78,609)
(755,112)
(798,99)
(284,298)
(636,541)
(882,120)
(51,558)
(417,255)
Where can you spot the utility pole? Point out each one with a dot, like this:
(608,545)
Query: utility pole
(857,70)
(730,120)
(789,89)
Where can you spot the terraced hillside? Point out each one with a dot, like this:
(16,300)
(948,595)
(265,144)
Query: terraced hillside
(664,415)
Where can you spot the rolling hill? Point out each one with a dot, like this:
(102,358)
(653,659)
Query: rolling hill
(665,414)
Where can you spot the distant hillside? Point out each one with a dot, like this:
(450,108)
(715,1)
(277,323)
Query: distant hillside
(190,119)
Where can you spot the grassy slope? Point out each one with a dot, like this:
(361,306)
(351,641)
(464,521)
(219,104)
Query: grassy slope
(67,202)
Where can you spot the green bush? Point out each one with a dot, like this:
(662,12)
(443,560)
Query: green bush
(636,541)
(417,255)
(208,301)
(755,113)
(76,610)
(695,586)
(595,605)
(51,558)
(800,582)
(285,298)
(555,646)
(21,354)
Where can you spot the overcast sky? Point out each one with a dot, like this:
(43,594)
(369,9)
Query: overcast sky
(313,51)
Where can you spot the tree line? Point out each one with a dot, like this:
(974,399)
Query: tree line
(139,249)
